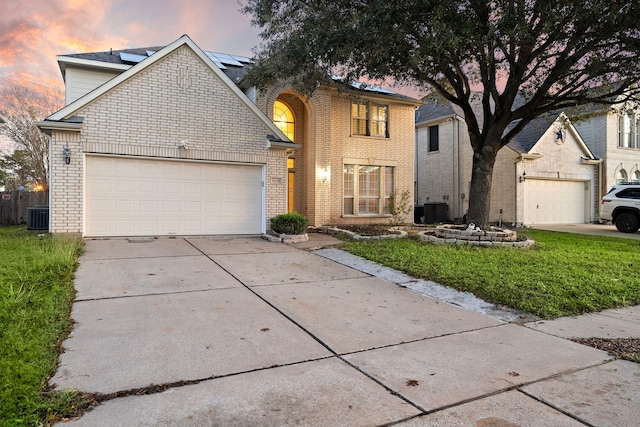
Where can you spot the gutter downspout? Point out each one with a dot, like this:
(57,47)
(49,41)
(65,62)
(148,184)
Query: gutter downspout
(458,202)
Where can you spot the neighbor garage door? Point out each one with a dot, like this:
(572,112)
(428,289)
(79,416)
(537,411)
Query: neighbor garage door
(140,197)
(554,202)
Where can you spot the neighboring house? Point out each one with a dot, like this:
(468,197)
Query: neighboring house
(545,175)
(167,141)
(612,134)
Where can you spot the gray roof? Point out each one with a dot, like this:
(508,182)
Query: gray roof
(436,110)
(234,66)
(524,141)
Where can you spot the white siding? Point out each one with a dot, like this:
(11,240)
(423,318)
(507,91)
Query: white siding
(79,82)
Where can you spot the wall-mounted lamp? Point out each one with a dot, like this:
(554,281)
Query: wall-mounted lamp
(522,177)
(66,154)
(324,175)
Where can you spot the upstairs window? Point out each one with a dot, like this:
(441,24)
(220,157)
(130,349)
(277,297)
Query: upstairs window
(434,138)
(626,131)
(369,119)
(379,121)
(283,119)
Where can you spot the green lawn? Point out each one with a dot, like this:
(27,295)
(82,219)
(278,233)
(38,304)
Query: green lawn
(36,293)
(562,274)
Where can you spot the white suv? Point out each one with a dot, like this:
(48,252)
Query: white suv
(621,205)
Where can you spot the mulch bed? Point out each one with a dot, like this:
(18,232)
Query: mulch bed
(368,229)
(624,348)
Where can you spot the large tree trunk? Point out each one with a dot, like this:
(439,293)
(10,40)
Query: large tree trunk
(480,191)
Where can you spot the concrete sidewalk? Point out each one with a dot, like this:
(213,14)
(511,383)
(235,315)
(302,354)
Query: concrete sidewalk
(243,332)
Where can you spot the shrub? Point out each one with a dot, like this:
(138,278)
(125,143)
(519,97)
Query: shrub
(289,223)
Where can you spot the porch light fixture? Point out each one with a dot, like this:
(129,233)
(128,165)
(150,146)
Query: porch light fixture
(66,154)
(324,175)
(522,177)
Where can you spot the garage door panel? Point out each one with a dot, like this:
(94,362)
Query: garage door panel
(148,186)
(124,206)
(147,225)
(125,186)
(123,226)
(170,206)
(192,187)
(193,207)
(126,168)
(128,197)
(171,187)
(102,185)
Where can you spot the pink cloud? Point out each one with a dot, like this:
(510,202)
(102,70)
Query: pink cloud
(33,33)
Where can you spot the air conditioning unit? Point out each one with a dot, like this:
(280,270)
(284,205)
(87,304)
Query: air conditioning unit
(38,218)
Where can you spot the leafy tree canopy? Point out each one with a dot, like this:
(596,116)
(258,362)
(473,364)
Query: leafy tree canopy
(524,57)
(21,108)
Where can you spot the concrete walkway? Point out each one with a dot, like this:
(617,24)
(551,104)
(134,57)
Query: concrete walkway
(243,332)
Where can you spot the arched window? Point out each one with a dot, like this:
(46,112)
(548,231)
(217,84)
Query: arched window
(636,176)
(622,176)
(283,118)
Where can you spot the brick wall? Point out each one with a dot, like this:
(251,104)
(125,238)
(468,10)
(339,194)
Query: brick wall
(323,129)
(177,98)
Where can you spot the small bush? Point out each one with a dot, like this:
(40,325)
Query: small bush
(289,223)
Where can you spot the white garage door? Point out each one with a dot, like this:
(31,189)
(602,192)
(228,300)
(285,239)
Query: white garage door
(554,202)
(140,197)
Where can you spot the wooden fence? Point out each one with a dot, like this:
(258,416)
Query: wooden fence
(14,204)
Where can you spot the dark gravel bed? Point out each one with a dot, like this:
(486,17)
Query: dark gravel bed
(623,348)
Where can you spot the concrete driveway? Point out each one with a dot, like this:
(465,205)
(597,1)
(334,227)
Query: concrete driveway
(608,230)
(243,332)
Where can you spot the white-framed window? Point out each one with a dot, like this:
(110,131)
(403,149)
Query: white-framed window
(434,138)
(627,131)
(622,176)
(283,119)
(369,119)
(367,189)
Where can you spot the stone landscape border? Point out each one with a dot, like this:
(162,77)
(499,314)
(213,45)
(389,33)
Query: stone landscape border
(334,230)
(286,238)
(455,235)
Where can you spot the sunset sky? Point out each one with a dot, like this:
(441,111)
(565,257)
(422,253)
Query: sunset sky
(33,32)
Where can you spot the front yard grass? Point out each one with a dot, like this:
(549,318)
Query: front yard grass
(36,293)
(562,274)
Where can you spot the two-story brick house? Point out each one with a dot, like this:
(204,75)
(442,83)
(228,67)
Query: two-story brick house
(545,175)
(168,141)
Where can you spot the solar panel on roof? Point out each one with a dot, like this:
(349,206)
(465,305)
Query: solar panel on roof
(130,57)
(150,52)
(241,59)
(224,58)
(370,88)
(215,60)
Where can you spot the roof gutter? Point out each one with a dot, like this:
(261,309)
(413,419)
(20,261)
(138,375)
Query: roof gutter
(439,120)
(48,126)
(587,161)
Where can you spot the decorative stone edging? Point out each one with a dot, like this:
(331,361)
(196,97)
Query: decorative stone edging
(286,238)
(476,240)
(334,230)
